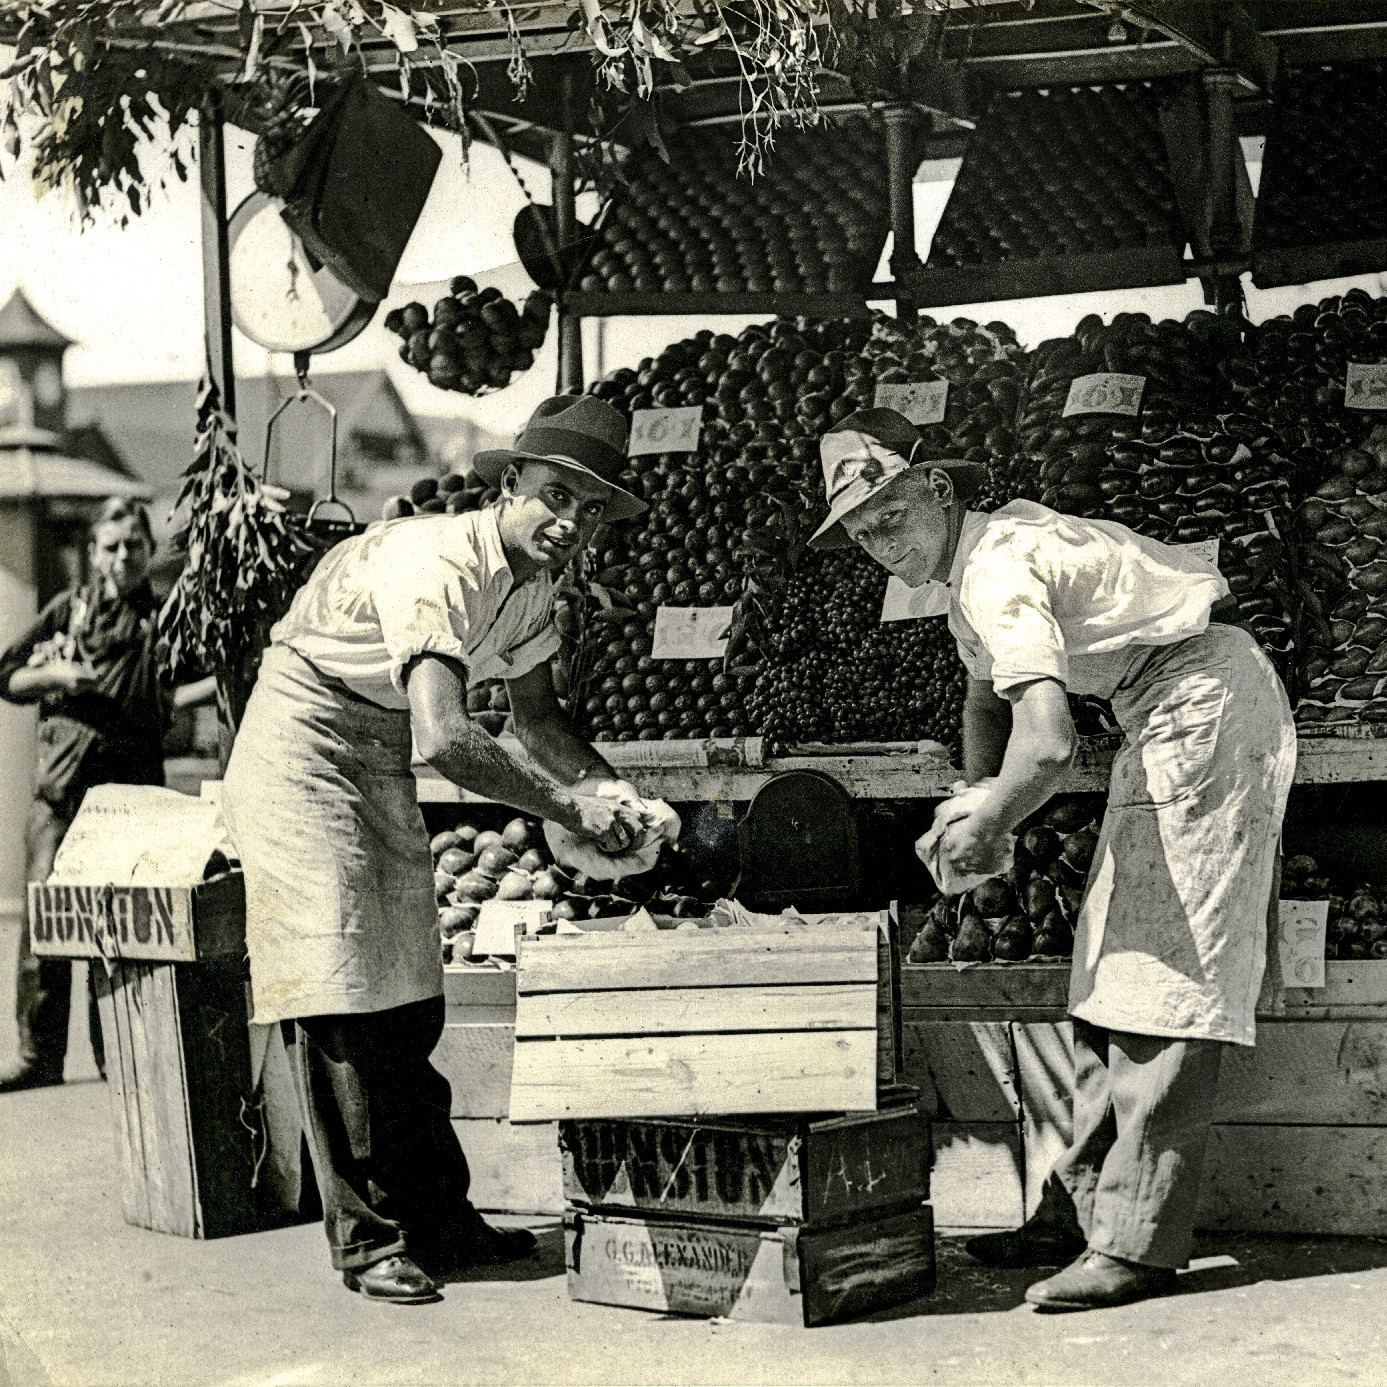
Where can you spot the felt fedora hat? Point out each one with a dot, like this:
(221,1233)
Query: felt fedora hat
(865,452)
(579,432)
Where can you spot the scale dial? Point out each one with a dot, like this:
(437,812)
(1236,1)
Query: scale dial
(277,298)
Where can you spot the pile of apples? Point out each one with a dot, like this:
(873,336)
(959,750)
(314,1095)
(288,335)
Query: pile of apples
(1357,924)
(1030,910)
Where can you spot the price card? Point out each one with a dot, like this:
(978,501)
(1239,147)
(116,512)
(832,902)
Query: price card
(691,633)
(665,430)
(1366,387)
(903,603)
(500,921)
(922,402)
(1206,549)
(1107,392)
(1300,942)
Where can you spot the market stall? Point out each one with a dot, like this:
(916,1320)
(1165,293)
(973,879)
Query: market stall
(1100,151)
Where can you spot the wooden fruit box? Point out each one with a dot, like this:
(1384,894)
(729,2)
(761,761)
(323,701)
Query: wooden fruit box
(765,1170)
(143,874)
(773,1275)
(744,1019)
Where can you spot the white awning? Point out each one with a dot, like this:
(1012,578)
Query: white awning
(30,474)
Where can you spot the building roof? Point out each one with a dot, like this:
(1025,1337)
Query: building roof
(21,326)
(28,474)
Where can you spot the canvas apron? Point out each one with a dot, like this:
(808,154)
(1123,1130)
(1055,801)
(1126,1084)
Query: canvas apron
(320,801)
(1171,937)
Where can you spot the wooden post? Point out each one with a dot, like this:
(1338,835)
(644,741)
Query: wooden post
(565,216)
(233,687)
(901,164)
(1229,191)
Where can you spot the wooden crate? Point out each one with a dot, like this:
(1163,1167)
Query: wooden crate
(774,1275)
(770,1170)
(705,1021)
(515,1167)
(204,1150)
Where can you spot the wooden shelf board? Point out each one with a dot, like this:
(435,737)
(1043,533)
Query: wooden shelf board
(832,305)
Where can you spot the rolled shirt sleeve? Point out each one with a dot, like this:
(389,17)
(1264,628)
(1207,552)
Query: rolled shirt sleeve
(424,611)
(1007,600)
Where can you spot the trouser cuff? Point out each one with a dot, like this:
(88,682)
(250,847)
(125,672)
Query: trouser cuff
(359,1256)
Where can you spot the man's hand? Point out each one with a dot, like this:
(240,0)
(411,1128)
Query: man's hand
(615,827)
(976,845)
(68,677)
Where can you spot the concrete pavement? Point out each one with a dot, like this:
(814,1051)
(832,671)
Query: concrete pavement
(87,1301)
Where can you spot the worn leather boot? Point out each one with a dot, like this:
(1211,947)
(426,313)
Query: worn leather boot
(1096,1281)
(1036,1243)
(396,1279)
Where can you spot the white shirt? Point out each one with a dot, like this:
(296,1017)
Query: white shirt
(432,583)
(1039,595)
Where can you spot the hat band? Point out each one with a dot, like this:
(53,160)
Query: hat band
(582,449)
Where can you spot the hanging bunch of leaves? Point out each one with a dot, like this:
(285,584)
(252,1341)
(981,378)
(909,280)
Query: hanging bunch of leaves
(245,556)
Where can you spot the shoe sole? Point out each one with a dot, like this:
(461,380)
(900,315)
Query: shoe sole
(1066,1307)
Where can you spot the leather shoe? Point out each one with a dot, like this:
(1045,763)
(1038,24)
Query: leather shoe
(1096,1281)
(478,1244)
(33,1076)
(395,1279)
(1034,1244)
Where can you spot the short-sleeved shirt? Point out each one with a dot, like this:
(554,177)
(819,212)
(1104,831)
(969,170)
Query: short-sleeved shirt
(1039,595)
(432,584)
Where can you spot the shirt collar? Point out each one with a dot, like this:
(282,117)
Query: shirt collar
(490,548)
(968,537)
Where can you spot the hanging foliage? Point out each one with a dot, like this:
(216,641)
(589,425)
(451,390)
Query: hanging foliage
(245,555)
(96,79)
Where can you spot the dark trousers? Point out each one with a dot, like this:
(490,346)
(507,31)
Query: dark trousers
(391,1173)
(1143,1106)
(43,991)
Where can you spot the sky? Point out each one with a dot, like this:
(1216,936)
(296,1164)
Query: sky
(132,298)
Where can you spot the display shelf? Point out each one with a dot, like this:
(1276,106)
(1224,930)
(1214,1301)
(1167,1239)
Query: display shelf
(736,769)
(790,304)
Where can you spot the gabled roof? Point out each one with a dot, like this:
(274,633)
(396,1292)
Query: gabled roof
(21,326)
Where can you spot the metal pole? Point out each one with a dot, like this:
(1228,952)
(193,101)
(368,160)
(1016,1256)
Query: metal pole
(216,265)
(565,217)
(1227,234)
(901,163)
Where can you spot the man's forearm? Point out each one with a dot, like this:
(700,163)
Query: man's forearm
(985,732)
(470,757)
(553,744)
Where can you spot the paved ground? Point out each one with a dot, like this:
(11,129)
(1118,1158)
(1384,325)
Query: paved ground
(86,1300)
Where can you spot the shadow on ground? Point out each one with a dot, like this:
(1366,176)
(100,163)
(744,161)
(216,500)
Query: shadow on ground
(546,1261)
(1221,1262)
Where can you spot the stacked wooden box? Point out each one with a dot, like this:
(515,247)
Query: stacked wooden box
(725,1150)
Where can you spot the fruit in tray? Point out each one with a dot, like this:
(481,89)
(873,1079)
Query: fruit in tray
(1343,644)
(1030,910)
(689,223)
(475,340)
(1357,923)
(1059,172)
(473,865)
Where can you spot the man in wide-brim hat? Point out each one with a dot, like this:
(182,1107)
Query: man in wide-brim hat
(377,652)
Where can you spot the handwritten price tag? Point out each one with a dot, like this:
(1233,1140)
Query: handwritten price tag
(665,430)
(922,402)
(1366,387)
(1107,392)
(691,633)
(500,921)
(1300,942)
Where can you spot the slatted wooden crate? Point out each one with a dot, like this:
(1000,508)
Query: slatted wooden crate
(807,1170)
(782,1275)
(705,1021)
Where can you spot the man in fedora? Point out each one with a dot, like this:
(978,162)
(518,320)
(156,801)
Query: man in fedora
(376,653)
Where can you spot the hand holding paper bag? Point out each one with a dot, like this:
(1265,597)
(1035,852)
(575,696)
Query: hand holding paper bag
(957,855)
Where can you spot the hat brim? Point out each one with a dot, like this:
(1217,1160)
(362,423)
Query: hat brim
(831,535)
(491,464)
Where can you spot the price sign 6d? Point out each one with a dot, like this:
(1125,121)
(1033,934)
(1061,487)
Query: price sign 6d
(1107,392)
(1366,386)
(665,430)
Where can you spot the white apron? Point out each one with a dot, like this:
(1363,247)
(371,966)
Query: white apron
(321,804)
(1171,937)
